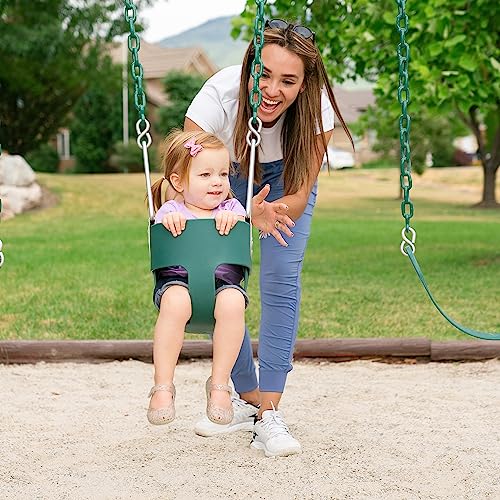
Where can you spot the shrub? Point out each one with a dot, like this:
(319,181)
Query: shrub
(128,158)
(43,159)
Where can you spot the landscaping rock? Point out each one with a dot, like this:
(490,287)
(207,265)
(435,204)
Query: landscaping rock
(19,190)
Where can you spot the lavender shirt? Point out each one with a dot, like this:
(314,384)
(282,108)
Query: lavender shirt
(226,272)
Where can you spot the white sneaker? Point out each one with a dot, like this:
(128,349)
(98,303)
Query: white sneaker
(271,435)
(243,420)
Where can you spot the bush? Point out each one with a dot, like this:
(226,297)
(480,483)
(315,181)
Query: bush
(97,120)
(128,158)
(43,159)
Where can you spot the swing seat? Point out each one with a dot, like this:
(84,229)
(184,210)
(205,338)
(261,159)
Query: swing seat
(200,249)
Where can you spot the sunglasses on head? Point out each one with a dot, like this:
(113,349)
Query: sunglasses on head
(280,24)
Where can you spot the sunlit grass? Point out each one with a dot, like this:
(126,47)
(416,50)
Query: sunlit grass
(79,270)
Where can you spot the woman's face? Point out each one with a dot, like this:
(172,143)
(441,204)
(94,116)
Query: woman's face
(280,83)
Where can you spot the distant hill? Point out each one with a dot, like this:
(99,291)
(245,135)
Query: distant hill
(215,38)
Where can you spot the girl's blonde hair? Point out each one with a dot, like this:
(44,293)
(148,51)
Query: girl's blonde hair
(303,118)
(176,158)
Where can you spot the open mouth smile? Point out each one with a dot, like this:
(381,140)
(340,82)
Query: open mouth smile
(269,105)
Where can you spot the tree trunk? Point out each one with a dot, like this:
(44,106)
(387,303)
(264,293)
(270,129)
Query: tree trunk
(489,185)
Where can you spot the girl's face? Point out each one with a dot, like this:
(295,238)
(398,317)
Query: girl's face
(280,83)
(207,185)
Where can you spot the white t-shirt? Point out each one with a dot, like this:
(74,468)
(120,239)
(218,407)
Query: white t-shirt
(215,108)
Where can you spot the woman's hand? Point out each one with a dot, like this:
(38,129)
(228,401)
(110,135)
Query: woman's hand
(175,222)
(226,220)
(270,217)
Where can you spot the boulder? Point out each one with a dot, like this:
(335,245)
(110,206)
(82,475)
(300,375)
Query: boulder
(19,190)
(15,171)
(16,200)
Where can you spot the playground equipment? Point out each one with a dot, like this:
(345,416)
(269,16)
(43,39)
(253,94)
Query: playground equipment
(237,246)
(408,233)
(234,248)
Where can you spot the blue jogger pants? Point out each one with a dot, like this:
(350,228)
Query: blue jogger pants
(280,291)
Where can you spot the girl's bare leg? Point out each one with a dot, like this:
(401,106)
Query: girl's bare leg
(227,339)
(175,311)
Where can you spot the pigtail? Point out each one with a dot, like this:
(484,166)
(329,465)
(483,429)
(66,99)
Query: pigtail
(156,189)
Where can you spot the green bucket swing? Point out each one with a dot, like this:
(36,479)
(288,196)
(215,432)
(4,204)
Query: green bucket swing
(408,234)
(200,249)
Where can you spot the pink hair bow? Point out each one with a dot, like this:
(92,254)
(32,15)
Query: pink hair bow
(193,147)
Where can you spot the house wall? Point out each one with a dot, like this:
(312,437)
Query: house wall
(363,145)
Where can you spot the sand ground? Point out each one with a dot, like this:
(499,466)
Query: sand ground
(368,430)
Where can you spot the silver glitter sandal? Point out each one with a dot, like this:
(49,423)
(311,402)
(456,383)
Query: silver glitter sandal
(164,415)
(216,414)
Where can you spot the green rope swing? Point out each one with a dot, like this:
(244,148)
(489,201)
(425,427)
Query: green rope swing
(408,233)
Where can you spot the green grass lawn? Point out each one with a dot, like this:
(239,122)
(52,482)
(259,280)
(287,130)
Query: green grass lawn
(79,270)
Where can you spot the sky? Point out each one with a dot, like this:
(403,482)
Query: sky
(170,17)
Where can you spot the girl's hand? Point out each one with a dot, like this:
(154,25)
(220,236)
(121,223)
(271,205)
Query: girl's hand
(226,220)
(271,218)
(175,222)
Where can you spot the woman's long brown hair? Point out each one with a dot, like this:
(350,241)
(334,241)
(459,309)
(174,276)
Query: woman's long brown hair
(303,118)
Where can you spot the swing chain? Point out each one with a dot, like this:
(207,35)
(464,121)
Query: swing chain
(142,125)
(134,44)
(403,52)
(254,131)
(258,42)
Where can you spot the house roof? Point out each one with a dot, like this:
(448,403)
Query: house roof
(157,61)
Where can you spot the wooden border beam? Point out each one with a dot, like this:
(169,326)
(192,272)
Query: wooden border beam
(98,351)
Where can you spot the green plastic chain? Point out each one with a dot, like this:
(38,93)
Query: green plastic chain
(257,66)
(404,125)
(408,244)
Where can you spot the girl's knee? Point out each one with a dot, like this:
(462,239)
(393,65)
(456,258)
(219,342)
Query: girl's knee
(176,303)
(229,303)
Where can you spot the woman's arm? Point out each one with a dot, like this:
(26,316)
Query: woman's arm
(297,202)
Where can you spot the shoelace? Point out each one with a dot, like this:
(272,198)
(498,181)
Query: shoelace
(275,424)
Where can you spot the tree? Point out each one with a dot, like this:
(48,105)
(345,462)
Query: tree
(180,89)
(49,50)
(431,132)
(96,122)
(454,63)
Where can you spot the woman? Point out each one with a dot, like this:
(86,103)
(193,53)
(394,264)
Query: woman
(297,112)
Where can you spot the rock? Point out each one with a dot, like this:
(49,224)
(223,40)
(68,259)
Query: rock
(15,171)
(18,190)
(19,199)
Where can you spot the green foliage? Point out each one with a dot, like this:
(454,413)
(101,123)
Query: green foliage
(128,158)
(49,50)
(430,133)
(96,123)
(43,159)
(180,89)
(454,55)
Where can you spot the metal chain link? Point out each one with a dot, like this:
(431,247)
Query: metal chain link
(255,123)
(134,44)
(142,126)
(258,42)
(403,52)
